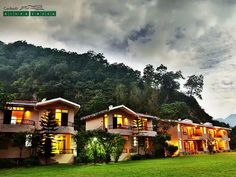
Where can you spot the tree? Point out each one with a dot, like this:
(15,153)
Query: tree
(174,111)
(194,85)
(81,139)
(232,136)
(148,75)
(19,140)
(49,125)
(118,147)
(167,81)
(107,141)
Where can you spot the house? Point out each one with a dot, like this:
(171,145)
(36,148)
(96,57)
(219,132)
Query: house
(194,138)
(124,121)
(188,136)
(25,116)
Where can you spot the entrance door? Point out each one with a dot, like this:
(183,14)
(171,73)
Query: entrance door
(64,119)
(114,122)
(7,117)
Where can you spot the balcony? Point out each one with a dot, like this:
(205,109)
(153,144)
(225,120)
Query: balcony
(144,131)
(66,127)
(121,129)
(18,125)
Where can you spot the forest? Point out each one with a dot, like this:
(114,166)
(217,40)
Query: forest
(32,72)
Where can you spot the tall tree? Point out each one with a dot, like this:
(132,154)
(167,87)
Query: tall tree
(148,75)
(48,126)
(194,85)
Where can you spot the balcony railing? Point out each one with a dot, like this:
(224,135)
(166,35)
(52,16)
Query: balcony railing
(69,124)
(129,127)
(143,128)
(20,122)
(120,126)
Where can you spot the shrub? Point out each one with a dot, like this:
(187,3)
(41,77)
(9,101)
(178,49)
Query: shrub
(31,162)
(7,163)
(171,149)
(136,157)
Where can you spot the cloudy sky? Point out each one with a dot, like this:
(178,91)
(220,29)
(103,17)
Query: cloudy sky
(197,37)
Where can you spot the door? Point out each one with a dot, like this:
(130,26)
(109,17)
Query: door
(64,119)
(7,117)
(114,122)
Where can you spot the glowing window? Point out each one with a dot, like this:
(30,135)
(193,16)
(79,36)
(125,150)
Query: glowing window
(105,120)
(126,121)
(62,117)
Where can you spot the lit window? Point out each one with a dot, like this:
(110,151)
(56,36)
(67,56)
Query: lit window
(61,117)
(105,120)
(126,121)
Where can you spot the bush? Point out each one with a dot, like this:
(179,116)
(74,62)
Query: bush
(141,157)
(171,149)
(31,162)
(136,157)
(7,163)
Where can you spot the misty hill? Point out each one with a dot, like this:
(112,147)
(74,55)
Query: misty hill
(28,71)
(231,120)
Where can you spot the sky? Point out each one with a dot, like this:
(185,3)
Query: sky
(196,37)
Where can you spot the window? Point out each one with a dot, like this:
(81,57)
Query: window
(105,120)
(14,115)
(62,117)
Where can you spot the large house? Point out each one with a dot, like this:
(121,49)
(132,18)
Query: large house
(195,138)
(129,124)
(25,116)
(188,136)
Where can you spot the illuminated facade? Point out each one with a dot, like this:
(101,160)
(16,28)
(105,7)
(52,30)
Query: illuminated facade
(194,138)
(188,136)
(126,122)
(25,116)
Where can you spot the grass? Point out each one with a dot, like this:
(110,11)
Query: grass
(221,164)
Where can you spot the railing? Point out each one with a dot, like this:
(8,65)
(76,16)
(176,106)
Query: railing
(69,124)
(143,128)
(120,126)
(19,122)
(129,127)
(66,151)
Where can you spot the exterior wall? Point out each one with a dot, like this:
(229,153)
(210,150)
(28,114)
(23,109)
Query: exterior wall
(14,152)
(95,123)
(175,139)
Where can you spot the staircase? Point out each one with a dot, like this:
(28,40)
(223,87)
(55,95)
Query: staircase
(63,158)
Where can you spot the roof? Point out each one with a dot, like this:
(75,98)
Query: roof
(147,116)
(111,108)
(207,124)
(22,103)
(46,102)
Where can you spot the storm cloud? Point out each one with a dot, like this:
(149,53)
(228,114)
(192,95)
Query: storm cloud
(197,37)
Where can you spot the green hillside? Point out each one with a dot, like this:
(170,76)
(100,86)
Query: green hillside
(33,72)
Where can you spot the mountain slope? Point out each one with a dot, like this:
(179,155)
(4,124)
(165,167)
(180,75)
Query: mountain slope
(231,120)
(29,71)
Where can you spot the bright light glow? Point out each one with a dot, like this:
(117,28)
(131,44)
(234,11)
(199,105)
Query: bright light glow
(178,127)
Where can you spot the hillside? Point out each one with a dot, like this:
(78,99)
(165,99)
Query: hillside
(29,71)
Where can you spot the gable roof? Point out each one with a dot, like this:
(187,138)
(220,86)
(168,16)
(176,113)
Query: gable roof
(22,103)
(70,103)
(111,108)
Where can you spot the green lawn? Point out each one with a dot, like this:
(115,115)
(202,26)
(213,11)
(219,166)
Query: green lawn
(222,164)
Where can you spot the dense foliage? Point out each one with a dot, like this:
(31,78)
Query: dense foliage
(30,72)
(98,146)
